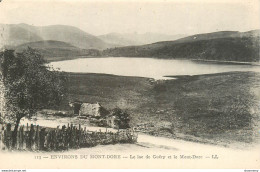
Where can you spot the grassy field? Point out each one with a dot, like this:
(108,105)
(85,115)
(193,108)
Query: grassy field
(217,108)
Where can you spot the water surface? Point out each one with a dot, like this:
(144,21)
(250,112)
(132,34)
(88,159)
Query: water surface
(147,67)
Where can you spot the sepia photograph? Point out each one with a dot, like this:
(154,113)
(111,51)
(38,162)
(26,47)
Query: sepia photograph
(128,84)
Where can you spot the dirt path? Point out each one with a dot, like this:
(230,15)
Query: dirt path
(149,152)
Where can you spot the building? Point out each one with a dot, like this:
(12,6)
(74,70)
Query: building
(89,109)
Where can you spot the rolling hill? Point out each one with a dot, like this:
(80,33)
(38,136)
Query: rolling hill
(52,50)
(224,46)
(13,35)
(17,34)
(47,45)
(221,34)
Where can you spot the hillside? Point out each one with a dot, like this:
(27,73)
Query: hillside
(52,50)
(221,34)
(137,39)
(187,108)
(17,34)
(47,45)
(12,35)
(225,46)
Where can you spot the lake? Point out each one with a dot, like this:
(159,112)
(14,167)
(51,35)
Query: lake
(148,67)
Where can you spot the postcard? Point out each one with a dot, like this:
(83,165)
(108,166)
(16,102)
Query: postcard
(127,84)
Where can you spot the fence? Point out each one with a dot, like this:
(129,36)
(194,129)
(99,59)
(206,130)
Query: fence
(49,139)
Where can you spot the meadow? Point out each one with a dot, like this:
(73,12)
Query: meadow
(218,108)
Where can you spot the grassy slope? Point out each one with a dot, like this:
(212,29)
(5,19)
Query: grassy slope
(207,108)
(226,49)
(57,50)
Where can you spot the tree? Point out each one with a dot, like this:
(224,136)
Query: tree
(30,84)
(122,118)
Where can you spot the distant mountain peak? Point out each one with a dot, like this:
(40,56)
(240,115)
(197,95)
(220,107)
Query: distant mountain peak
(17,34)
(134,38)
(23,24)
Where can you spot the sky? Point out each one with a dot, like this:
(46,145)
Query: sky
(172,17)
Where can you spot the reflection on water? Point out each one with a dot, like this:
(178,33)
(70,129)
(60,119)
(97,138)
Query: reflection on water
(147,67)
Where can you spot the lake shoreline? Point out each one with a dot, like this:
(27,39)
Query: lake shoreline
(148,67)
(50,59)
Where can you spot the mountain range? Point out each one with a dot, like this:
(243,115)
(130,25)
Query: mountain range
(137,39)
(68,41)
(18,34)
